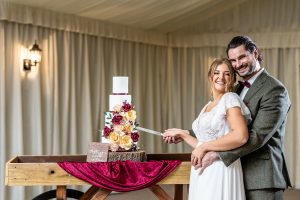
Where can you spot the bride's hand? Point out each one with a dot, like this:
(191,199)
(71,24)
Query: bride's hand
(172,135)
(197,155)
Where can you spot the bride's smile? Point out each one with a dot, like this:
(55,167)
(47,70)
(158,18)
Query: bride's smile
(221,78)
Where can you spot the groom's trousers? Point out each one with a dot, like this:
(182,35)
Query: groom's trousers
(265,194)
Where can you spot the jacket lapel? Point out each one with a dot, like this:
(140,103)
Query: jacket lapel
(256,86)
(238,88)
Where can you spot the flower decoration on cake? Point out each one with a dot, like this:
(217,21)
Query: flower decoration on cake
(120,127)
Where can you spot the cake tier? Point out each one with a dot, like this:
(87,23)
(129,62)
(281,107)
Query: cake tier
(120,84)
(118,99)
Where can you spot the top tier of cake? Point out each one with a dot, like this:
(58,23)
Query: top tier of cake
(120,92)
(120,85)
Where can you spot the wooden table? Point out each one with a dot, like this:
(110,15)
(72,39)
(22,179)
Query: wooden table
(44,171)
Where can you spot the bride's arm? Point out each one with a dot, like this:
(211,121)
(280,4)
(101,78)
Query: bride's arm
(174,134)
(237,136)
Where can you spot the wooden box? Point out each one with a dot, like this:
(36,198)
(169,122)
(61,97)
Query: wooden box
(138,156)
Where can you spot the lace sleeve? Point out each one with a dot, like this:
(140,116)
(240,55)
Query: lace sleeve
(231,100)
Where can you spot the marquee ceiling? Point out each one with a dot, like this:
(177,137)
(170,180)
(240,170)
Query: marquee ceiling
(155,15)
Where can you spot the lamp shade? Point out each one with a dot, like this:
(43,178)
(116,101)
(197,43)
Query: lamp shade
(34,57)
(35,53)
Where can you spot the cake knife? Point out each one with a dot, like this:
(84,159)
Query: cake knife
(149,131)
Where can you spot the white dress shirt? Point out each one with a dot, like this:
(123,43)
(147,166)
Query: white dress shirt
(251,81)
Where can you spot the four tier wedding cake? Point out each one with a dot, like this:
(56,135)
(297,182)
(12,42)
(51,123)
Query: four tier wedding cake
(120,123)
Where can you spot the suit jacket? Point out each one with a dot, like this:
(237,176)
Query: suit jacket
(262,157)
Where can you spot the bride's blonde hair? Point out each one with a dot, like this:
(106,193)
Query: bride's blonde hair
(213,67)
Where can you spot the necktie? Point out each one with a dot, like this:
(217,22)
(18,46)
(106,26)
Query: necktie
(246,84)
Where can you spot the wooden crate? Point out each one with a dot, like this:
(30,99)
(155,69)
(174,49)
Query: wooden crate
(44,170)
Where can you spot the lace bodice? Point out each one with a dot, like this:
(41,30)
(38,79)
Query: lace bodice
(213,124)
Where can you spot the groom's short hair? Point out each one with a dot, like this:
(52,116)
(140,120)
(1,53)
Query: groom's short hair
(247,42)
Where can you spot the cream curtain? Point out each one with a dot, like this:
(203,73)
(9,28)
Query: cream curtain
(59,108)
(284,63)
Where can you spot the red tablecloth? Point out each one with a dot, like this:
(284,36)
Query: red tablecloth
(121,176)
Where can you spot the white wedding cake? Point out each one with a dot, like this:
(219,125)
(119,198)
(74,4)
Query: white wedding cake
(120,125)
(120,121)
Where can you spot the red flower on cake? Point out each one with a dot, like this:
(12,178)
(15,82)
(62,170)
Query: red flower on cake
(117,119)
(126,106)
(135,136)
(107,131)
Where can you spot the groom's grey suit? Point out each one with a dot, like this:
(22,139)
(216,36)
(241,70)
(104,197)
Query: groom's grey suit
(262,157)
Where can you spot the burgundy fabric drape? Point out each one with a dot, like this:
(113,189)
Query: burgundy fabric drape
(121,176)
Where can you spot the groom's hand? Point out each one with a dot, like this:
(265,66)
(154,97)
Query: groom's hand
(208,159)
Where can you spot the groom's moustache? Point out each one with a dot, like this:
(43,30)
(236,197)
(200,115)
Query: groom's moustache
(241,66)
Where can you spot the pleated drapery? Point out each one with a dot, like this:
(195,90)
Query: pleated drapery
(121,176)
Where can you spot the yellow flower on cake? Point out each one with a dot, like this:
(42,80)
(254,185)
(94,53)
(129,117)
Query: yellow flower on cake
(128,128)
(114,137)
(131,115)
(125,142)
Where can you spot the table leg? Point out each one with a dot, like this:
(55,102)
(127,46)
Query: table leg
(178,192)
(187,189)
(101,194)
(89,194)
(159,192)
(95,193)
(61,192)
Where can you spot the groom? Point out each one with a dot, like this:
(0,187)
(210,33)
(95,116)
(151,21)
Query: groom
(262,157)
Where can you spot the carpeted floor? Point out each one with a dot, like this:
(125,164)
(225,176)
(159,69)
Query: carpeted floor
(146,194)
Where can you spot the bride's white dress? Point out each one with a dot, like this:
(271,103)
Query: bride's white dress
(217,182)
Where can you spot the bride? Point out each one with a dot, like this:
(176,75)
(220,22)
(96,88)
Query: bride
(220,126)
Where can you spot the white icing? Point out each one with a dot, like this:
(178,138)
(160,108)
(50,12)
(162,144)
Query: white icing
(118,99)
(120,84)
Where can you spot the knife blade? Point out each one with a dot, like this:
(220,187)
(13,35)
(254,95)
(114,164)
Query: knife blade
(149,131)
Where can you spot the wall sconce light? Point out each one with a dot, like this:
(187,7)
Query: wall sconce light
(34,58)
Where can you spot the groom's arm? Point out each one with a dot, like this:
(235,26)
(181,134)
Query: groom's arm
(270,117)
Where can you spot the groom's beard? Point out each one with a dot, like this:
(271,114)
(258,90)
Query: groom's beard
(249,73)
